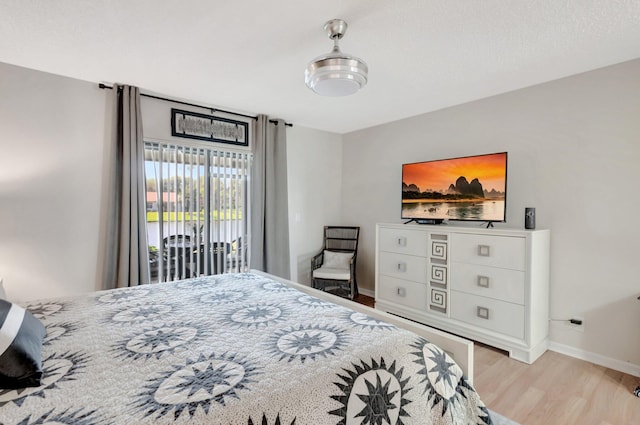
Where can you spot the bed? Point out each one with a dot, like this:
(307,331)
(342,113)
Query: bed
(243,348)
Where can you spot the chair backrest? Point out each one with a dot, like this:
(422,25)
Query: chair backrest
(341,238)
(177,241)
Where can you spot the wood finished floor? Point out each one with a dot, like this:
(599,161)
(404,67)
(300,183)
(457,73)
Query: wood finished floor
(556,389)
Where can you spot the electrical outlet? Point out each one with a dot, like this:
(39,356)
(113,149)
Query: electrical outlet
(575,326)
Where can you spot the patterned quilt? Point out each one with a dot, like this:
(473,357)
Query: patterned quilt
(233,349)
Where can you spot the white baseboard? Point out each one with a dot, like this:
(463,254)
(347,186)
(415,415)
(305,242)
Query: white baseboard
(608,362)
(367,292)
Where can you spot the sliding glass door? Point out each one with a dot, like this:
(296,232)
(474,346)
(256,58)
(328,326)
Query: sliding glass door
(197,210)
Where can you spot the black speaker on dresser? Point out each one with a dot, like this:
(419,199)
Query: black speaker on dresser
(529,218)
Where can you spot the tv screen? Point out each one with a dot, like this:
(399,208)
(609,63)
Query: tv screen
(471,188)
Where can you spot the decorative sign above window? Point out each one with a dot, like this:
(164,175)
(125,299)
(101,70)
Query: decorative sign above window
(192,125)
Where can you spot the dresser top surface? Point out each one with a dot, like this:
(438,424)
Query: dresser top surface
(503,231)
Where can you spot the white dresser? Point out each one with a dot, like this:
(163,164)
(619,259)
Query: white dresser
(489,285)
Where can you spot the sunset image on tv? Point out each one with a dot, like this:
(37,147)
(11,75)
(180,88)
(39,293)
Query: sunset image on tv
(469,188)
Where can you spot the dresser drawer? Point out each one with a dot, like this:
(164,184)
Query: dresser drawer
(499,316)
(498,251)
(406,293)
(405,267)
(492,282)
(403,241)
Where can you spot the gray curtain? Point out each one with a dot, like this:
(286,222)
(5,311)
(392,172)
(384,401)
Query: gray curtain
(269,199)
(126,252)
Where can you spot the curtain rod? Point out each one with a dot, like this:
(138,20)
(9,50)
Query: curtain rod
(104,86)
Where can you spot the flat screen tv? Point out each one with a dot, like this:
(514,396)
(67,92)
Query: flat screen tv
(471,188)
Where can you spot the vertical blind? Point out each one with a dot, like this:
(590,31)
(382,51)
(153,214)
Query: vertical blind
(197,204)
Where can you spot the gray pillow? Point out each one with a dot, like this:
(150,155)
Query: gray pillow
(21,336)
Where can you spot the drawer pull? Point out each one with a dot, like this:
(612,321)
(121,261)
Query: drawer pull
(402,267)
(483,313)
(483,281)
(401,292)
(402,241)
(484,250)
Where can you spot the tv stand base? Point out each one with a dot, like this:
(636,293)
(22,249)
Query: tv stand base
(425,221)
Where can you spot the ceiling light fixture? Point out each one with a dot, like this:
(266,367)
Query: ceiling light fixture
(336,73)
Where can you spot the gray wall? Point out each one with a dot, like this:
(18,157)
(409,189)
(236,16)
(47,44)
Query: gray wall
(51,165)
(574,154)
(314,178)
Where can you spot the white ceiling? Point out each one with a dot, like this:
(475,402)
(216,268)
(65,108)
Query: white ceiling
(249,56)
